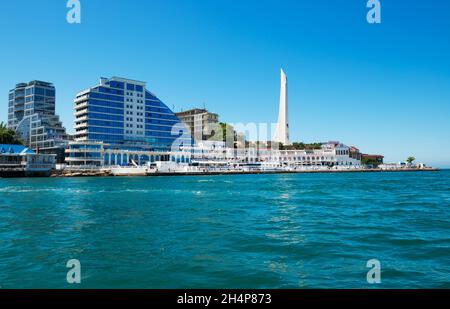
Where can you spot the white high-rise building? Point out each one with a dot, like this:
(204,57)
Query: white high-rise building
(282,132)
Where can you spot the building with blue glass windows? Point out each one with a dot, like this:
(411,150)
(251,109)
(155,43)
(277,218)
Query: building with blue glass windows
(128,121)
(31,113)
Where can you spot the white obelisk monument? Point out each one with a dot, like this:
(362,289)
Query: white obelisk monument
(282,132)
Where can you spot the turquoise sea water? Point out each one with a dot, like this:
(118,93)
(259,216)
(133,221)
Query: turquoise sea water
(245,231)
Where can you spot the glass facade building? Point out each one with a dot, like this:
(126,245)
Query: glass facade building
(122,113)
(31,113)
(85,153)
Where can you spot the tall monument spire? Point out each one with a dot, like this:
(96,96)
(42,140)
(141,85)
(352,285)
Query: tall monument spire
(282,133)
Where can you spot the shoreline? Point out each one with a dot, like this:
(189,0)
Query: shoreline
(223,173)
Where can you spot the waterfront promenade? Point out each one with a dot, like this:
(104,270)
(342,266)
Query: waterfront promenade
(153,173)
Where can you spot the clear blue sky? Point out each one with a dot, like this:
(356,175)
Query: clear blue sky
(384,88)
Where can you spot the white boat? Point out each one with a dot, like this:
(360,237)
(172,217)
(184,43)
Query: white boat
(129,171)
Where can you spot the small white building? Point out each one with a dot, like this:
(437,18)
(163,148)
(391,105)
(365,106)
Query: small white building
(20,161)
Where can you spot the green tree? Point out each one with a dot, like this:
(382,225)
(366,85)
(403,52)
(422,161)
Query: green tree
(369,161)
(223,132)
(8,136)
(410,160)
(303,146)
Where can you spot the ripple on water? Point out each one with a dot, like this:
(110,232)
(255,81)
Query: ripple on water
(265,231)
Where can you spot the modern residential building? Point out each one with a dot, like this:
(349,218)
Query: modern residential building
(30,98)
(201,123)
(31,113)
(125,123)
(121,111)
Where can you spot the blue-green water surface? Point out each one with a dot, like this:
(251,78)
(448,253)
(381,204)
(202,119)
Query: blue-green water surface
(244,231)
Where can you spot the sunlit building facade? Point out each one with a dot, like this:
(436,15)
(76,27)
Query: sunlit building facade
(129,121)
(31,113)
